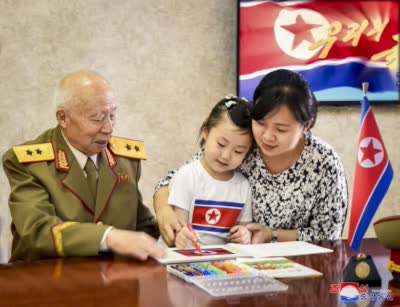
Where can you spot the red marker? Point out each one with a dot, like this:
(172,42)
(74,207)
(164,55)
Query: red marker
(196,243)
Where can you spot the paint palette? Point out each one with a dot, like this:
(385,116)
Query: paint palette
(196,270)
(247,284)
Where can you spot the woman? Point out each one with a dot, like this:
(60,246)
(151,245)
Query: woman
(297,180)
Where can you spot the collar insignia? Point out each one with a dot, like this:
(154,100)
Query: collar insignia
(111,161)
(62,161)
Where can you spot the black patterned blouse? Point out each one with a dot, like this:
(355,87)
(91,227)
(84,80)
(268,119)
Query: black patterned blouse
(310,196)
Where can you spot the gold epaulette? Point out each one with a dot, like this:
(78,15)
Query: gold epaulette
(127,148)
(34,152)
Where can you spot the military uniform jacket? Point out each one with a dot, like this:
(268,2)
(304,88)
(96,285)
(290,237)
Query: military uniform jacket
(50,204)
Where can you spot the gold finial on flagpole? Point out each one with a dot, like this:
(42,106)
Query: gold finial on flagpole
(365,88)
(361,255)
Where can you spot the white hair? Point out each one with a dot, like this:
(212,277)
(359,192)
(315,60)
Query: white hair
(63,98)
(70,90)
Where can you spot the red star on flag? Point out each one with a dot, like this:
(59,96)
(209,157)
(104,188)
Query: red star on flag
(213,216)
(369,152)
(301,31)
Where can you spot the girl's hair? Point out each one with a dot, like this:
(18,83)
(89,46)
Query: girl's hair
(238,111)
(285,87)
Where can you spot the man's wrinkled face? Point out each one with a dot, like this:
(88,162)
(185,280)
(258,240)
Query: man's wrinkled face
(89,123)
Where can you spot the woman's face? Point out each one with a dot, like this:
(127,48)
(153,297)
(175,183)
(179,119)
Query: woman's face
(277,133)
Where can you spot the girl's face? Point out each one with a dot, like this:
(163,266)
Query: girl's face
(277,133)
(225,147)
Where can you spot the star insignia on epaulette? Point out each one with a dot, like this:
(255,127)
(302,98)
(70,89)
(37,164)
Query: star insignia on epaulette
(127,148)
(29,153)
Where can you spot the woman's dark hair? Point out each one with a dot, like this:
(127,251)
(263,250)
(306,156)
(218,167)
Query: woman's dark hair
(285,87)
(238,111)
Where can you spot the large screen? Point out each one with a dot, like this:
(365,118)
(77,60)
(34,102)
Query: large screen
(335,45)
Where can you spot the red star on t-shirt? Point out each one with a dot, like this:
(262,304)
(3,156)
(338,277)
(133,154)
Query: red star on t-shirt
(213,216)
(369,152)
(301,31)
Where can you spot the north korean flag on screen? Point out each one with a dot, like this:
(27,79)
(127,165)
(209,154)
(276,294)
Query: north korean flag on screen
(345,42)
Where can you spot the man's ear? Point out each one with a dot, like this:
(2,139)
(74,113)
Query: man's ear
(61,116)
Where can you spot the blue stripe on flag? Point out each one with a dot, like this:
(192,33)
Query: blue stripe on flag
(372,205)
(211,229)
(351,75)
(211,203)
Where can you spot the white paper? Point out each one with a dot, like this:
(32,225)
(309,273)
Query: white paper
(278,249)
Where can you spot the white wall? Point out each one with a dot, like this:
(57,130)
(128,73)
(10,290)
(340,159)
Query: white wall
(169,62)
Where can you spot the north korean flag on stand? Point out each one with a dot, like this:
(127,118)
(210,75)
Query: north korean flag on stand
(372,178)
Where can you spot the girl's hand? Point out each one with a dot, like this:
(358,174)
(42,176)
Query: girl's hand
(186,238)
(240,234)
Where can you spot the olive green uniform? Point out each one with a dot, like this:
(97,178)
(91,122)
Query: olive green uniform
(50,204)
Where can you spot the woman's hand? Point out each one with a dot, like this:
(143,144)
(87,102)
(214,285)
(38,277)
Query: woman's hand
(260,234)
(240,234)
(169,224)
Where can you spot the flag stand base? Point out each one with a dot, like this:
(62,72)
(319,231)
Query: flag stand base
(361,269)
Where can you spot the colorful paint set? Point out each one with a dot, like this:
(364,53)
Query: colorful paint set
(190,271)
(226,278)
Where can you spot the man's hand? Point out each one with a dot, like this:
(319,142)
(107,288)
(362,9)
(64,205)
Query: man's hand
(260,234)
(240,234)
(133,244)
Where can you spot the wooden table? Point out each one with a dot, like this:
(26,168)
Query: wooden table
(97,281)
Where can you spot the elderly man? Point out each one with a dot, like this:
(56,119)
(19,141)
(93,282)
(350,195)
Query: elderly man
(74,189)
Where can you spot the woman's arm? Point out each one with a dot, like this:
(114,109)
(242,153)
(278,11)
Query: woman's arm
(263,234)
(168,221)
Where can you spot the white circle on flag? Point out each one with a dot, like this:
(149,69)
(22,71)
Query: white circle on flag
(378,157)
(213,216)
(285,39)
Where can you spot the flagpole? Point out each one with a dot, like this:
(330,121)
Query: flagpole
(361,255)
(364,88)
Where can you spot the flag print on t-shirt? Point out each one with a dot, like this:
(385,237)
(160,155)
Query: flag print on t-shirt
(215,217)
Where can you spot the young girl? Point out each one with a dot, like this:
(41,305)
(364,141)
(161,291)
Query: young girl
(208,193)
